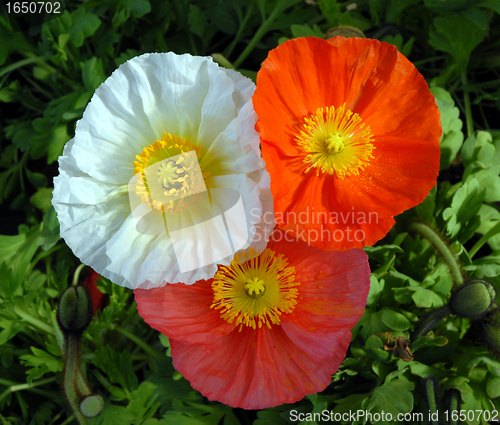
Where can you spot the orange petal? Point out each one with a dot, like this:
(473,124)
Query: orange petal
(296,79)
(394,181)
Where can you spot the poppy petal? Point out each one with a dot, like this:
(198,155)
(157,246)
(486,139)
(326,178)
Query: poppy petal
(182,312)
(255,370)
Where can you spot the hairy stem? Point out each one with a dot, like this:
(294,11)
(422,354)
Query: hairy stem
(441,247)
(430,321)
(70,373)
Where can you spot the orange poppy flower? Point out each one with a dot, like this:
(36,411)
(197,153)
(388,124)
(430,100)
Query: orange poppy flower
(350,135)
(266,330)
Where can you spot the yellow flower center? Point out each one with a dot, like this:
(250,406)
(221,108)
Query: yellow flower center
(255,289)
(173,184)
(336,142)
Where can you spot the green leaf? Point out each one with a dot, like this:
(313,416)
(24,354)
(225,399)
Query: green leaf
(464,208)
(489,218)
(425,371)
(93,74)
(42,198)
(306,31)
(114,415)
(10,286)
(142,405)
(394,320)
(118,366)
(392,397)
(491,4)
(197,21)
(138,8)
(370,324)
(452,137)
(50,229)
(58,139)
(425,298)
(38,180)
(472,146)
(41,363)
(84,25)
(195,414)
(458,44)
(493,387)
(330,10)
(376,289)
(485,165)
(350,403)
(9,245)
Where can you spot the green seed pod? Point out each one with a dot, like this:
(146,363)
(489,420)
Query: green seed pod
(75,310)
(473,299)
(91,406)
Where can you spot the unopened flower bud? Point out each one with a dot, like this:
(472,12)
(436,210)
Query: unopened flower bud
(344,31)
(487,331)
(75,310)
(473,299)
(92,405)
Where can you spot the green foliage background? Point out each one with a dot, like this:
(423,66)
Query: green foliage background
(48,74)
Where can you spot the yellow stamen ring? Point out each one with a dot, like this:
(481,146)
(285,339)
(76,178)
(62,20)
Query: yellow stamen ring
(336,142)
(178,179)
(255,289)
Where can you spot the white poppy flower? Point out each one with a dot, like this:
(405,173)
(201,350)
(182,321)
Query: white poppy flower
(190,125)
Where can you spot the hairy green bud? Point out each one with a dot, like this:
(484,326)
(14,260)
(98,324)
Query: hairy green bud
(345,31)
(473,299)
(92,405)
(487,331)
(75,310)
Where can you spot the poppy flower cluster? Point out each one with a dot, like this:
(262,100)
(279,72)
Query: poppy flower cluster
(350,138)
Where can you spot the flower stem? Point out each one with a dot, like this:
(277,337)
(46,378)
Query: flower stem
(70,373)
(241,28)
(19,64)
(430,394)
(441,247)
(76,276)
(34,321)
(489,234)
(261,32)
(430,321)
(468,110)
(148,349)
(14,386)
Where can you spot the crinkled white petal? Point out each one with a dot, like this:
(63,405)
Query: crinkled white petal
(189,97)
